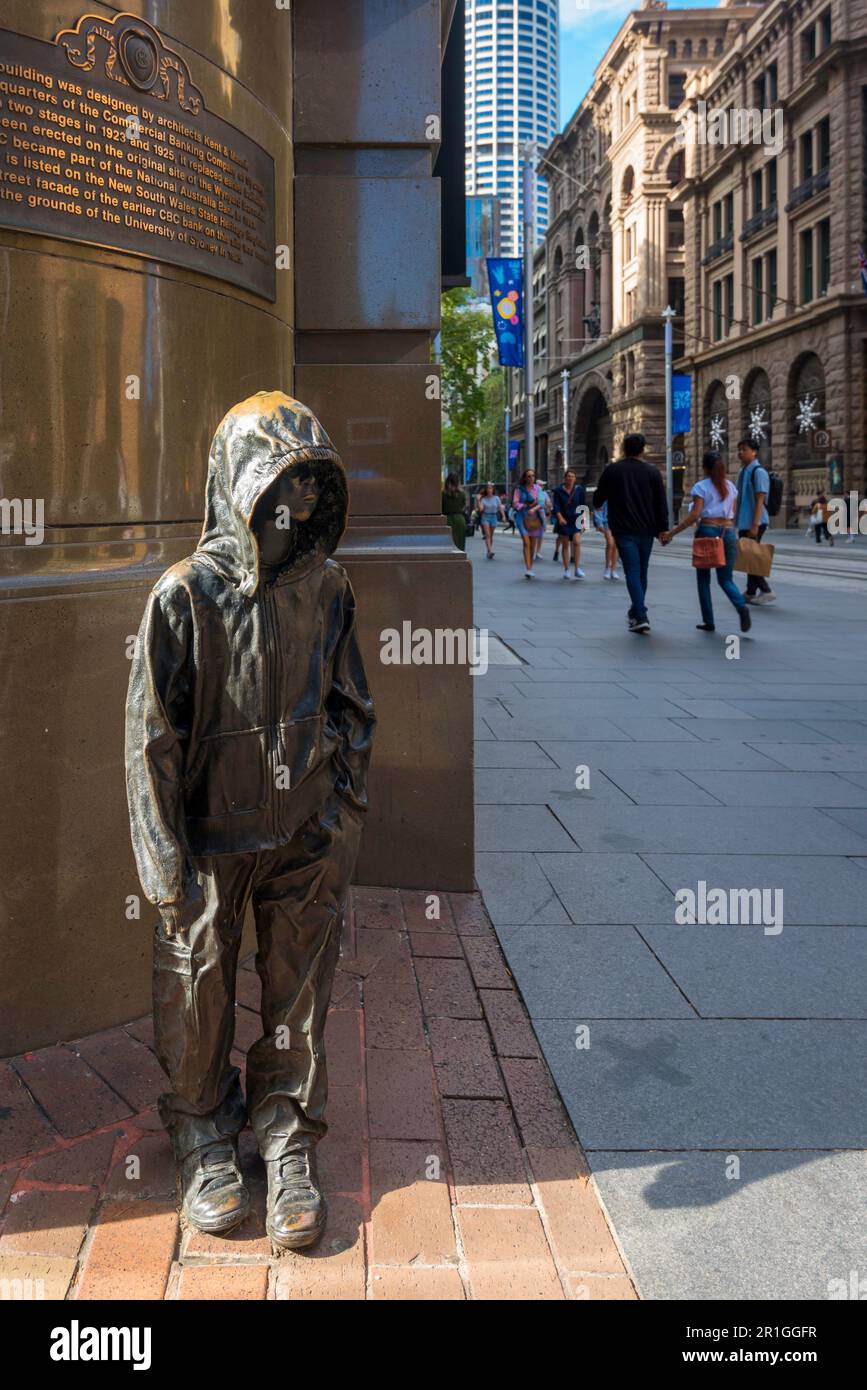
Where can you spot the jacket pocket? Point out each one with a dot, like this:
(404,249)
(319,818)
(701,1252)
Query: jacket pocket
(232,777)
(303,747)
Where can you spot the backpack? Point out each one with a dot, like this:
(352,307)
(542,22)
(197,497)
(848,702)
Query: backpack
(774,499)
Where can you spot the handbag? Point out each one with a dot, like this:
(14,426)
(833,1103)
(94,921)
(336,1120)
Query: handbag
(708,552)
(753,557)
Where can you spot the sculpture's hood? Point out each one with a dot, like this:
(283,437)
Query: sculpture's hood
(255,442)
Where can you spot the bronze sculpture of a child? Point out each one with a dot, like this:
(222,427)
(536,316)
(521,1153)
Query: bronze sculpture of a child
(248,736)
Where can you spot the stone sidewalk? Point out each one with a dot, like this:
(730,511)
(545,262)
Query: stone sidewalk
(451,1168)
(722,1100)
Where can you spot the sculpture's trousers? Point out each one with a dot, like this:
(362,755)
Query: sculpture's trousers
(298,893)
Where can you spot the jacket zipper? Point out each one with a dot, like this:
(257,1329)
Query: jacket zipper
(271,711)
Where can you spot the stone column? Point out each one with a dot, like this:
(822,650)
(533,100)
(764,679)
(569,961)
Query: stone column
(605,291)
(653,259)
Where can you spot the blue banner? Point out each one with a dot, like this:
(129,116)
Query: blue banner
(505,277)
(468,468)
(514,454)
(681,402)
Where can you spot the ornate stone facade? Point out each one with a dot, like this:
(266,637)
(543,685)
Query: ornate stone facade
(780,351)
(645,212)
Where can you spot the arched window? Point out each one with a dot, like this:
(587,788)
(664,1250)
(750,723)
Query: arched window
(629,373)
(558,261)
(715,427)
(757,413)
(806,410)
(702,48)
(687,48)
(627,186)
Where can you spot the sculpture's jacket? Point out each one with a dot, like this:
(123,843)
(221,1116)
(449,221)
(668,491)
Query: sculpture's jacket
(248,704)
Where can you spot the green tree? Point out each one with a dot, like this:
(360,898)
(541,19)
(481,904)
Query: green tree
(466,345)
(491,435)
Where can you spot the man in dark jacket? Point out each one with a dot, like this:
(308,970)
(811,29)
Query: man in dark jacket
(637,511)
(248,735)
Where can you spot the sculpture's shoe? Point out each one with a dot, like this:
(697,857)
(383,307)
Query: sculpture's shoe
(296,1207)
(214,1197)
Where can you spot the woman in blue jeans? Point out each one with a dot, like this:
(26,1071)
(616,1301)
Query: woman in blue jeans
(713,512)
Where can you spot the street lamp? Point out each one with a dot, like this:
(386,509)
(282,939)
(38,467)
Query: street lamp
(668,315)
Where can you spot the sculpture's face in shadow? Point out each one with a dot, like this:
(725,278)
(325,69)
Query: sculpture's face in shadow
(290,499)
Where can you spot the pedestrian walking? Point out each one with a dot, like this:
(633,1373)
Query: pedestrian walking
(569,498)
(637,511)
(712,513)
(454,510)
(600,521)
(545,499)
(490,510)
(819,513)
(752,515)
(529,517)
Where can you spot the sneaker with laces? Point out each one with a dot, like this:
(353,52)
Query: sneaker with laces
(615,575)
(606,574)
(296,1209)
(579,574)
(214,1197)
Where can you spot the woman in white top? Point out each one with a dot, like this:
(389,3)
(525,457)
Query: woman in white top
(490,512)
(713,512)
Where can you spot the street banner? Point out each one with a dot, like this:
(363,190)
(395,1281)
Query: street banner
(505,277)
(514,453)
(468,471)
(681,401)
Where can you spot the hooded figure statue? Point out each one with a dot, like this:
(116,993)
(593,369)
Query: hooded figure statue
(248,735)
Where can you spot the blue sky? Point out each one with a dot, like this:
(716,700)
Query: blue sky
(585,34)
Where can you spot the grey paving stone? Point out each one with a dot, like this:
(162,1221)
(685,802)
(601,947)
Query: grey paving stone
(753,731)
(649,707)
(706,1083)
(568,690)
(739,972)
(676,756)
(843,730)
(801,689)
(786,1228)
(821,890)
(711,709)
(533,722)
(654,730)
(591,972)
(516,891)
(809,757)
(607,888)
(855,820)
(529,756)
(501,786)
(645,829)
(520,828)
(662,788)
(779,788)
(797,709)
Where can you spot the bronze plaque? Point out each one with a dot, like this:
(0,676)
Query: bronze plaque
(105,139)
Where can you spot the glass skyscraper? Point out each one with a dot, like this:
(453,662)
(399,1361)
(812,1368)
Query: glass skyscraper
(512,75)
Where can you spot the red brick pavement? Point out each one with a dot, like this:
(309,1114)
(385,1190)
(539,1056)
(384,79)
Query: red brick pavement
(451,1167)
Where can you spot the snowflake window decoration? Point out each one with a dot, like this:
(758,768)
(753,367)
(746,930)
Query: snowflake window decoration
(758,423)
(717,432)
(807,414)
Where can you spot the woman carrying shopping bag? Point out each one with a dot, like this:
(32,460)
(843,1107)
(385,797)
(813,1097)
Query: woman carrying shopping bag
(529,517)
(715,545)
